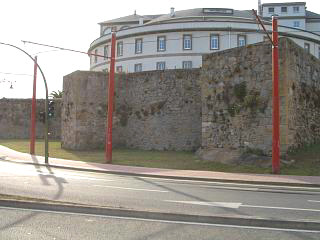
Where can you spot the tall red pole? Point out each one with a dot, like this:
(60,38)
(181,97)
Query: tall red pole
(108,153)
(33,109)
(275,99)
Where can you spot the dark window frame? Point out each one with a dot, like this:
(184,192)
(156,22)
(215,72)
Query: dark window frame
(183,39)
(245,40)
(158,44)
(119,67)
(105,51)
(294,24)
(119,53)
(95,56)
(136,65)
(158,64)
(307,47)
(214,35)
(184,64)
(136,46)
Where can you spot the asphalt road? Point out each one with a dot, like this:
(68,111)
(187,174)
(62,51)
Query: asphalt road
(29,224)
(162,195)
(148,194)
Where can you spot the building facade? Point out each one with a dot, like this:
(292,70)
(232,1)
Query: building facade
(180,38)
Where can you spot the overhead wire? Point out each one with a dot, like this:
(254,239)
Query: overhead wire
(17,74)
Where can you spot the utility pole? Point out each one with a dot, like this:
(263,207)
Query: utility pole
(275,99)
(110,92)
(109,132)
(33,109)
(275,93)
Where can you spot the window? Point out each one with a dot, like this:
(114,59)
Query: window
(161,65)
(161,43)
(271,9)
(119,49)
(284,9)
(119,69)
(105,52)
(296,24)
(187,42)
(138,67)
(241,40)
(138,48)
(214,41)
(106,31)
(296,9)
(95,56)
(186,64)
(307,47)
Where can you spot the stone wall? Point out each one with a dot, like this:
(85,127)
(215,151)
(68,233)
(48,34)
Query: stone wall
(158,110)
(15,119)
(165,110)
(236,91)
(303,90)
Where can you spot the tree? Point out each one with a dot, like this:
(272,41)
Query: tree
(56,94)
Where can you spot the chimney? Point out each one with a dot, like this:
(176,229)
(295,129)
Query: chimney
(140,21)
(172,12)
(135,12)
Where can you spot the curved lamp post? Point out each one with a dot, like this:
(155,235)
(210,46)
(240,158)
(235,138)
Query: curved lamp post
(46,101)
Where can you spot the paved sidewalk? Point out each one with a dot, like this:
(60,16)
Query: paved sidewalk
(14,156)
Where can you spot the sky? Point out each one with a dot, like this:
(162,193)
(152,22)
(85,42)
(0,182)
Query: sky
(72,24)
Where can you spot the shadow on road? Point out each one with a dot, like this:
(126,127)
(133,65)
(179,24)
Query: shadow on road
(44,176)
(233,210)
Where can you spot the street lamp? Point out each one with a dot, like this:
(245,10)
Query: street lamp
(9,81)
(46,101)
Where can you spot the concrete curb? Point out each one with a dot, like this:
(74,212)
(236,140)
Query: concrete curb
(235,220)
(166,177)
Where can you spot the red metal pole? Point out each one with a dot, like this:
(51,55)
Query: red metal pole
(275,99)
(108,153)
(33,109)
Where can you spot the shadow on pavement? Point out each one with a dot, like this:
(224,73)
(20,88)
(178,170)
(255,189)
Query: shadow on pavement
(233,210)
(44,177)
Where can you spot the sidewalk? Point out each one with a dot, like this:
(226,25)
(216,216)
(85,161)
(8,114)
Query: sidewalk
(18,157)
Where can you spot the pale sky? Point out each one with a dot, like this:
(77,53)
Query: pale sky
(72,24)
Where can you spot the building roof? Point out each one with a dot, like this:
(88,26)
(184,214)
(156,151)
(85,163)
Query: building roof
(130,18)
(312,17)
(310,14)
(198,12)
(283,4)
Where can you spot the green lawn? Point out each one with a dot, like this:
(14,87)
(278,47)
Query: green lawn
(307,161)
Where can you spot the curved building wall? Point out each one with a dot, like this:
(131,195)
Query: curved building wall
(227,29)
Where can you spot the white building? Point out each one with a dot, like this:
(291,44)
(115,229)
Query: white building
(178,39)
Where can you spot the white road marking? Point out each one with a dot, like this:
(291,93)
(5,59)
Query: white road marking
(253,189)
(165,221)
(212,204)
(133,189)
(212,183)
(314,201)
(282,208)
(229,188)
(238,205)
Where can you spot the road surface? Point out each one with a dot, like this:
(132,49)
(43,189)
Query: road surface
(148,194)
